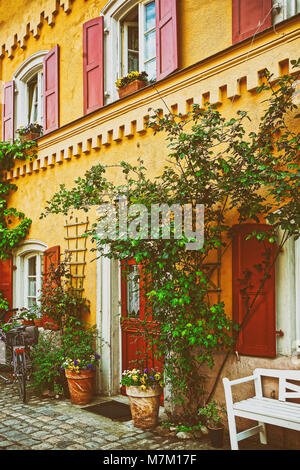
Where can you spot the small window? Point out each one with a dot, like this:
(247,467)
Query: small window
(138,39)
(29,106)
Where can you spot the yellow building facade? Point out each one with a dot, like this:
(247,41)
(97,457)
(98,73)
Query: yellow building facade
(221,48)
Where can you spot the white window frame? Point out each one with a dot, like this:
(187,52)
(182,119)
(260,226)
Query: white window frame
(25,73)
(284,9)
(38,276)
(114,12)
(21,257)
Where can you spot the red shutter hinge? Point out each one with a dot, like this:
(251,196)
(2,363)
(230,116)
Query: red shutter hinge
(279,332)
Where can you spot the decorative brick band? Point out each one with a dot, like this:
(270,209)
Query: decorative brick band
(217,83)
(48,10)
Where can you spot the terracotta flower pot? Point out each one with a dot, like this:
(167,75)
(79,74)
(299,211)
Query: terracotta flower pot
(38,322)
(80,386)
(27,322)
(144,406)
(131,87)
(29,136)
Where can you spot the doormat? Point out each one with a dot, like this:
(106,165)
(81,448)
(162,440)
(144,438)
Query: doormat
(114,410)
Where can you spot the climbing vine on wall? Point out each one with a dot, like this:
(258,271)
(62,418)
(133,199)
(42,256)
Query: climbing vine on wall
(14,225)
(217,162)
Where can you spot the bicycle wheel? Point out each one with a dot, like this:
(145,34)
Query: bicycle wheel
(20,374)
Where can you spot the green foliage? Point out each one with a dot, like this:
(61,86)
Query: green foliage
(47,358)
(212,413)
(14,226)
(59,301)
(76,342)
(216,162)
(79,344)
(142,378)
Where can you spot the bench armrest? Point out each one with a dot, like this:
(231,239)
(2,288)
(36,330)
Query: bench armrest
(238,381)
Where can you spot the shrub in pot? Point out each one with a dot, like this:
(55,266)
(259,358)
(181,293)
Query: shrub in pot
(144,389)
(212,413)
(46,360)
(80,360)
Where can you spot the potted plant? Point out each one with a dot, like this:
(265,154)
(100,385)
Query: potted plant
(132,82)
(144,389)
(27,316)
(80,362)
(30,132)
(212,413)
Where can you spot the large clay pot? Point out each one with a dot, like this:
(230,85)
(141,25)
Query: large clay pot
(80,386)
(131,87)
(144,406)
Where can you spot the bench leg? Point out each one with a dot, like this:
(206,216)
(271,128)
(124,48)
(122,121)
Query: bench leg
(232,432)
(263,434)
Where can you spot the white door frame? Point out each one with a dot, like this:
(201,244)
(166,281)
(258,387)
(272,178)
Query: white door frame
(108,325)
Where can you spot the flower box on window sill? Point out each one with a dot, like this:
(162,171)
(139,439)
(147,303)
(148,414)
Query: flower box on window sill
(131,87)
(30,136)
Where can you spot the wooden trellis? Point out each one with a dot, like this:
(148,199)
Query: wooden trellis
(213,271)
(76,242)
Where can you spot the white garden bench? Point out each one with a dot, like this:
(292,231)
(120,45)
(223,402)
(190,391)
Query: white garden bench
(278,412)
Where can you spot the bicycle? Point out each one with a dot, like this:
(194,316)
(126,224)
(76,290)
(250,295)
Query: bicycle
(18,340)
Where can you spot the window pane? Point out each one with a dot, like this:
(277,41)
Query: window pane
(31,287)
(31,302)
(133,292)
(133,61)
(150,16)
(150,68)
(32,266)
(133,38)
(150,45)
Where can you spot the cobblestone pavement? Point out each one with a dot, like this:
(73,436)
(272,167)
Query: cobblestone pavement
(49,424)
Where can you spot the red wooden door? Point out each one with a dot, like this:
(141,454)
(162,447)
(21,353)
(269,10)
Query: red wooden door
(137,348)
(257,337)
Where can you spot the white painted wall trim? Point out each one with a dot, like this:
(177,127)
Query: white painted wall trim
(19,254)
(286,299)
(297,292)
(108,325)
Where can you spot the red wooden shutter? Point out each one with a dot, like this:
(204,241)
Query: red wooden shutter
(51,90)
(6,281)
(8,111)
(51,261)
(250,17)
(93,64)
(166,37)
(257,336)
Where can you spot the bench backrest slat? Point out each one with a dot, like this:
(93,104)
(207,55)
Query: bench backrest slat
(286,388)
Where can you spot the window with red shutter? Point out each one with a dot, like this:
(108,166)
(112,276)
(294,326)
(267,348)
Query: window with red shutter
(166,37)
(51,90)
(250,17)
(8,111)
(6,281)
(257,337)
(93,64)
